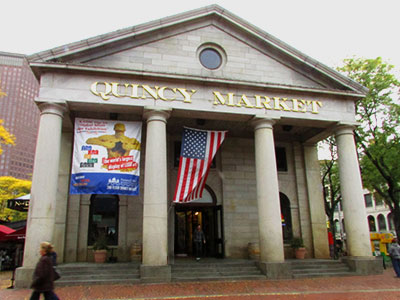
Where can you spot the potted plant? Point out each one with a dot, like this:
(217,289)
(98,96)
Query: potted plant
(298,246)
(100,249)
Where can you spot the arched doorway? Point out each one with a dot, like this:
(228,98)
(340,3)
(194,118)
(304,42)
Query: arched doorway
(286,217)
(206,213)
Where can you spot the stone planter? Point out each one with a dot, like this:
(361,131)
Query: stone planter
(136,252)
(300,253)
(100,256)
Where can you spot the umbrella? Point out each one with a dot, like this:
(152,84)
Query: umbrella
(4,231)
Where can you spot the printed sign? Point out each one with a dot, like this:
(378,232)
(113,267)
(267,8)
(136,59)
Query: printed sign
(106,157)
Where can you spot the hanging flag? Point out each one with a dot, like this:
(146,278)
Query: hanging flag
(197,152)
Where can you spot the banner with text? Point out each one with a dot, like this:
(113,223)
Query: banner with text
(106,157)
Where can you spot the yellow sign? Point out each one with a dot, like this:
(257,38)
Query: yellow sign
(106,90)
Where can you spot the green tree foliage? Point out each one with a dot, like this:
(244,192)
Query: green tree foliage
(378,137)
(11,188)
(5,137)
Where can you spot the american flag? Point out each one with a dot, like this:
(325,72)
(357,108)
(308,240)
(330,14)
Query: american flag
(197,152)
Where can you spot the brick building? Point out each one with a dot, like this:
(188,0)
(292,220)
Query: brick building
(20,115)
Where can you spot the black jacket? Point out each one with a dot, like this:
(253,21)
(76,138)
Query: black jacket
(43,276)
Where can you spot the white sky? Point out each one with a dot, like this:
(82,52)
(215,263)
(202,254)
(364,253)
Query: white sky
(328,31)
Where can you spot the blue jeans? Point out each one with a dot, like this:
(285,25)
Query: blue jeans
(48,295)
(396,266)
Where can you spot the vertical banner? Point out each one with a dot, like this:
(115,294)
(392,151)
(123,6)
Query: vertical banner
(106,157)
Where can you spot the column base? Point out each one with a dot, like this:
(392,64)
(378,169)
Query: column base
(364,265)
(275,270)
(23,277)
(154,274)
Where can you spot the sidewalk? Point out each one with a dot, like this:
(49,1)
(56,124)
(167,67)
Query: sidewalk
(384,286)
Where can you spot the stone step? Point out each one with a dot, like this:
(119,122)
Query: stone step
(328,270)
(325,274)
(95,281)
(218,278)
(87,273)
(203,271)
(319,268)
(215,268)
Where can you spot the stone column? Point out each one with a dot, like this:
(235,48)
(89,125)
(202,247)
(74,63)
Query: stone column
(59,234)
(42,205)
(155,205)
(316,202)
(122,229)
(269,212)
(357,232)
(83,229)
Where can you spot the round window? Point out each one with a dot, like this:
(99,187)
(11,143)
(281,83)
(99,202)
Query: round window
(210,58)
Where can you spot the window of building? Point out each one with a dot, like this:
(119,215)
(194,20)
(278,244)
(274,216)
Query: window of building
(378,199)
(382,223)
(103,218)
(211,56)
(281,162)
(368,200)
(371,223)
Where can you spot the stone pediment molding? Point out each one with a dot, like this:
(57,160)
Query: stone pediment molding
(84,51)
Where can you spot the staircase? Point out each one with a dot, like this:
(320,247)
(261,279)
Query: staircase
(222,269)
(308,268)
(91,273)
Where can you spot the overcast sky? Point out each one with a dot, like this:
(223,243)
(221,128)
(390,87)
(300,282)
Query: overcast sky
(328,31)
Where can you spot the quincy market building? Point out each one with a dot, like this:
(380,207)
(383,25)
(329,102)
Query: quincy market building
(205,69)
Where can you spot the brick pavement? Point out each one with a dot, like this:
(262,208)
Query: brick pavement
(384,286)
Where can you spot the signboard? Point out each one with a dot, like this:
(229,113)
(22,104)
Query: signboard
(106,157)
(18,204)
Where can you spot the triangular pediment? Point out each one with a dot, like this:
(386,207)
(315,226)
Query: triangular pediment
(170,46)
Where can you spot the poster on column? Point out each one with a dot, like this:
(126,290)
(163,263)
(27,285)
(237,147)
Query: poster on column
(106,157)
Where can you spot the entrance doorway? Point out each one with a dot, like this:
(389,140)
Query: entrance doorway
(206,214)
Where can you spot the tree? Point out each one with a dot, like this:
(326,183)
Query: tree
(378,137)
(331,184)
(5,137)
(11,188)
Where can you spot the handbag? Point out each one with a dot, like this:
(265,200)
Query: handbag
(56,274)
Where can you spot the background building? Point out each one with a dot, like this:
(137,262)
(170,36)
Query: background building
(380,219)
(20,115)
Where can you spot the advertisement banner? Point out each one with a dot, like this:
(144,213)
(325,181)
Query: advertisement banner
(106,157)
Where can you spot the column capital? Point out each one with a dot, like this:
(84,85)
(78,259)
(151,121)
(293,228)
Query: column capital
(344,129)
(262,122)
(156,114)
(52,108)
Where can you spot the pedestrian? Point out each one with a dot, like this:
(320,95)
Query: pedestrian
(44,275)
(394,252)
(331,244)
(199,239)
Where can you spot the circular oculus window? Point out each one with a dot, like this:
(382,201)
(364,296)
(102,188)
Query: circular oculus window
(210,58)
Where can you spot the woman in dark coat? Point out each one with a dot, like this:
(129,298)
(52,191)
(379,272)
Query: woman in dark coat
(43,276)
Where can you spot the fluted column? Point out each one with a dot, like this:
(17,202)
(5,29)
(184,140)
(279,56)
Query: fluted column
(155,211)
(269,212)
(41,216)
(357,232)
